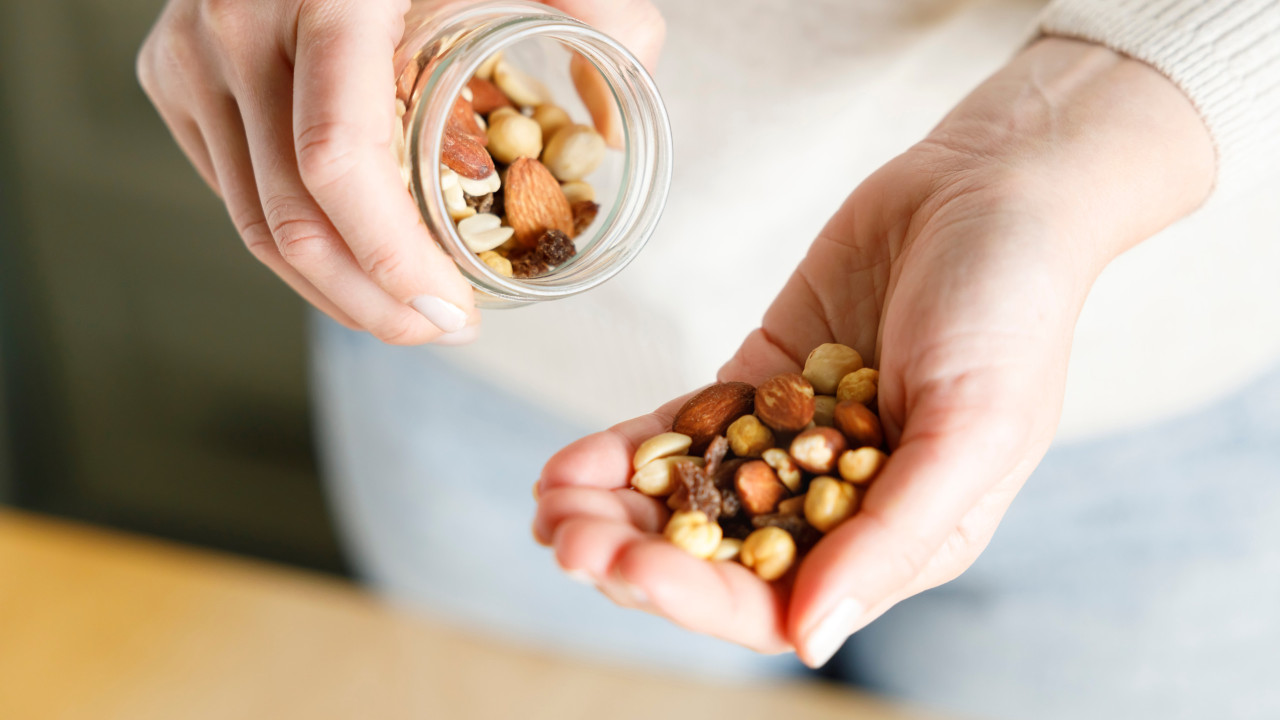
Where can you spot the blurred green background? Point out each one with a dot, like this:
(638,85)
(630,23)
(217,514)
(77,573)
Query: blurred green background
(154,375)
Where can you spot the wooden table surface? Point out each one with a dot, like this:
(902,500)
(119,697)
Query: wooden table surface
(96,624)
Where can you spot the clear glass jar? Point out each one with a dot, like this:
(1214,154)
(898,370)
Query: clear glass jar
(442,49)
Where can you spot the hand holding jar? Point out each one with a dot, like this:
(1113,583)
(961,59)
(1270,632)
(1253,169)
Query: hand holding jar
(287,110)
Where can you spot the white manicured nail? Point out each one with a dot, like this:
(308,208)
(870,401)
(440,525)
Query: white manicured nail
(448,317)
(463,337)
(831,633)
(581,576)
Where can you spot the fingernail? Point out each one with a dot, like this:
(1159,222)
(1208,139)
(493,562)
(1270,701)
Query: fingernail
(462,337)
(535,490)
(831,633)
(638,596)
(581,576)
(448,317)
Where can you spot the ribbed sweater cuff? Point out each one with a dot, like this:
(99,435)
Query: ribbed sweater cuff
(1224,54)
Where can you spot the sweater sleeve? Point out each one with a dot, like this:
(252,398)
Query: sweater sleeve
(1224,54)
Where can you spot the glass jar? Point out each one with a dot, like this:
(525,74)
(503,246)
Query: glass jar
(443,47)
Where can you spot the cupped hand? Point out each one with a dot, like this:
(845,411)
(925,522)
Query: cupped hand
(960,267)
(286,108)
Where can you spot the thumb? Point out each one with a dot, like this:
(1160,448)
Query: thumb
(637,24)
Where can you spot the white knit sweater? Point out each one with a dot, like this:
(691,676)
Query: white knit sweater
(1224,54)
(758,88)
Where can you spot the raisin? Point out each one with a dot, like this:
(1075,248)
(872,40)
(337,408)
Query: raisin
(714,454)
(736,527)
(695,491)
(556,247)
(529,264)
(805,535)
(482,204)
(584,213)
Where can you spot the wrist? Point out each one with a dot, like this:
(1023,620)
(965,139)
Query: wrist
(1104,146)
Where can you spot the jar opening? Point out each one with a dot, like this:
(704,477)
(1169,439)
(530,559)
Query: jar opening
(633,181)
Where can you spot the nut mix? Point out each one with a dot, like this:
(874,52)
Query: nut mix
(766,479)
(512,172)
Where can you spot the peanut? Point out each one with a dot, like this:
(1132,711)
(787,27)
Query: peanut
(728,549)
(497,262)
(658,446)
(483,232)
(769,551)
(694,533)
(520,87)
(657,478)
(829,502)
(827,364)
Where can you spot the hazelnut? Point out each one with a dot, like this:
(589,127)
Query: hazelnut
(785,402)
(828,363)
(861,466)
(769,551)
(758,488)
(657,478)
(574,152)
(818,450)
(859,386)
(784,466)
(658,446)
(497,262)
(578,191)
(824,411)
(513,136)
(691,531)
(728,549)
(523,89)
(829,502)
(748,437)
(859,424)
(550,118)
(792,506)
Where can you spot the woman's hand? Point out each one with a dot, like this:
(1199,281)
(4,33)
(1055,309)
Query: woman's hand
(286,109)
(961,267)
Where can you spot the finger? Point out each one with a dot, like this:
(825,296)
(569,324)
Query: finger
(603,460)
(722,599)
(625,506)
(343,117)
(931,482)
(233,170)
(187,133)
(637,24)
(758,359)
(301,232)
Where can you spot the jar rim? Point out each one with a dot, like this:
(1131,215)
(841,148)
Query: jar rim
(646,143)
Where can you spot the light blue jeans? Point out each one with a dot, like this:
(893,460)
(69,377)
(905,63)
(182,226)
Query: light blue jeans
(1136,577)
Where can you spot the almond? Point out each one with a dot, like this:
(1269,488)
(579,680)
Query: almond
(759,488)
(536,204)
(465,155)
(486,97)
(785,402)
(462,117)
(859,424)
(710,413)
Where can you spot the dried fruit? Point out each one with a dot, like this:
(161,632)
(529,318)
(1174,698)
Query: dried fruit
(759,488)
(859,424)
(695,491)
(710,412)
(818,450)
(785,402)
(827,364)
(534,202)
(714,456)
(584,213)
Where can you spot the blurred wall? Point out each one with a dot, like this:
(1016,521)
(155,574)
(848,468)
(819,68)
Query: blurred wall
(157,373)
